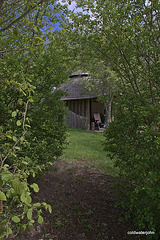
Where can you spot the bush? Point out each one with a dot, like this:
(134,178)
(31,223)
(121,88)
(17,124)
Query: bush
(134,137)
(32,133)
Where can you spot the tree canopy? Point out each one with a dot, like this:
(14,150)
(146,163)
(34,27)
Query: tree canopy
(125,36)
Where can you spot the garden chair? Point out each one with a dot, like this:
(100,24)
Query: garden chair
(98,121)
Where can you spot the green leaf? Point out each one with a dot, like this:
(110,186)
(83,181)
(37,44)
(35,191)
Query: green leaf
(24,226)
(30,225)
(35,187)
(26,125)
(6,176)
(29,214)
(50,27)
(10,193)
(26,199)
(37,205)
(18,123)
(14,114)
(35,28)
(40,220)
(23,197)
(9,230)
(8,136)
(2,196)
(31,100)
(20,101)
(6,166)
(16,219)
(49,208)
(14,139)
(38,40)
(24,162)
(45,205)
(18,186)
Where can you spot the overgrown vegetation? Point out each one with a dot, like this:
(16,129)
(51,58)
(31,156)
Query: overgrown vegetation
(134,137)
(124,35)
(32,128)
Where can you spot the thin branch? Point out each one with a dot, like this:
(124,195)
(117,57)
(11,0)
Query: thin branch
(121,70)
(16,20)
(143,54)
(5,20)
(3,160)
(23,49)
(25,113)
(129,65)
(11,5)
(13,14)
(19,18)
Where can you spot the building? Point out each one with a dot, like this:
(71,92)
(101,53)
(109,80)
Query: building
(81,103)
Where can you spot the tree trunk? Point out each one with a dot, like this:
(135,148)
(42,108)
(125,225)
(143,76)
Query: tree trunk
(108,112)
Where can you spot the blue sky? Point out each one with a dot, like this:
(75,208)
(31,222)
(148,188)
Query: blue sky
(71,6)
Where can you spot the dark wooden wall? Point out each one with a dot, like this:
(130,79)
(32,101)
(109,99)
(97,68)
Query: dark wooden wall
(79,113)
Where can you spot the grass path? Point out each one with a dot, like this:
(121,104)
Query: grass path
(88,146)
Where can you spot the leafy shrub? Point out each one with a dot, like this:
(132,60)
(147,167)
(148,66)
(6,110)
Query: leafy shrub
(32,133)
(32,129)
(134,137)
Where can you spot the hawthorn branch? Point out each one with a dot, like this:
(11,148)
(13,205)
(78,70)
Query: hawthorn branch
(24,119)
(25,113)
(3,160)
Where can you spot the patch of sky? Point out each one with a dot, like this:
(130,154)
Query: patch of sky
(72,5)
(148,3)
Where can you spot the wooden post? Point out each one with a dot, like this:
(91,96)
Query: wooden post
(75,106)
(79,108)
(83,108)
(72,109)
(71,106)
(79,113)
(88,113)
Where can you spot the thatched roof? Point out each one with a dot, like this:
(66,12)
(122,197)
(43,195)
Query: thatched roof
(75,88)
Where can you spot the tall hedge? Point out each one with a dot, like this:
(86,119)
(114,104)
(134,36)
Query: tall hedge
(134,138)
(32,131)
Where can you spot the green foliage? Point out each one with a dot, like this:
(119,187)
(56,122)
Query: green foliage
(125,36)
(32,130)
(134,138)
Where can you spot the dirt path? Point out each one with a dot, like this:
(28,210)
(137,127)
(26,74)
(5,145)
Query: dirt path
(83,202)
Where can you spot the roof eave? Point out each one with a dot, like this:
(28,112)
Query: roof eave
(80,98)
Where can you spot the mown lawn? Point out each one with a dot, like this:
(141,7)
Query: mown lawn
(88,146)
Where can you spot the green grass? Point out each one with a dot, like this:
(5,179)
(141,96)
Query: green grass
(88,146)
